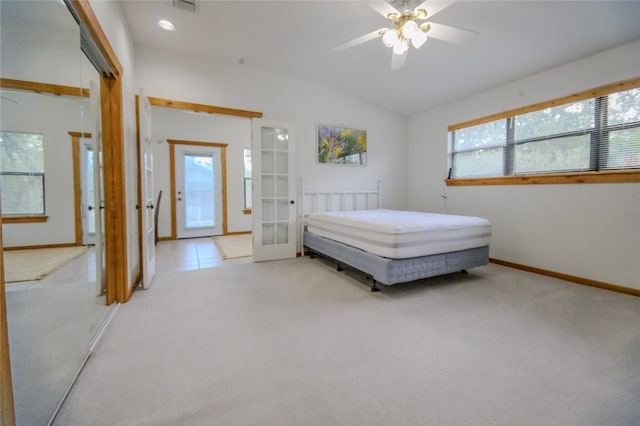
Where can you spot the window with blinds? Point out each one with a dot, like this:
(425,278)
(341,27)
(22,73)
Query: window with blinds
(597,134)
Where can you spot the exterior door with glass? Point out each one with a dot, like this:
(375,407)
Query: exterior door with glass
(198,195)
(274,190)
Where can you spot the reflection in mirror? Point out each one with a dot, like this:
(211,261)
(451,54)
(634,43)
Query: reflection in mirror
(91,198)
(49,145)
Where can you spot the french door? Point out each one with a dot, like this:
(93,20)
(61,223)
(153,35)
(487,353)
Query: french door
(90,200)
(94,185)
(274,190)
(198,183)
(148,196)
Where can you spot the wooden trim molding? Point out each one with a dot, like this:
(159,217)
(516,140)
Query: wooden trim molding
(238,233)
(581,96)
(115,221)
(7,412)
(42,246)
(209,109)
(612,176)
(172,171)
(77,189)
(196,143)
(33,86)
(572,278)
(24,219)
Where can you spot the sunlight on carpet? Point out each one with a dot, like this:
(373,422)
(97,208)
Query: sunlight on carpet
(35,264)
(233,246)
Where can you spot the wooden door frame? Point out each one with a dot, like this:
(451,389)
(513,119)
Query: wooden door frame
(172,171)
(185,106)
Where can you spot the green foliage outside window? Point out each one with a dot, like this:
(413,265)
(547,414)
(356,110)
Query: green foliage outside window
(595,134)
(22,173)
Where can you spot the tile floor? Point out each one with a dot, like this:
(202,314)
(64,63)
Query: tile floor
(191,253)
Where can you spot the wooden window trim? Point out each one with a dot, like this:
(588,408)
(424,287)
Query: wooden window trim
(612,176)
(25,219)
(581,96)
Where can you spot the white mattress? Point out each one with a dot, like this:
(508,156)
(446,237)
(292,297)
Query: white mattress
(400,234)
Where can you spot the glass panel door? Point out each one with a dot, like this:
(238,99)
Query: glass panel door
(274,235)
(199,191)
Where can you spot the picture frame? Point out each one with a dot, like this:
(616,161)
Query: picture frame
(341,145)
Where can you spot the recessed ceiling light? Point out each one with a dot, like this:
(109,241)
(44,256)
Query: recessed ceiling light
(166,25)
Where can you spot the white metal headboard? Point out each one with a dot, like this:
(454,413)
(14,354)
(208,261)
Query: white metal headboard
(330,201)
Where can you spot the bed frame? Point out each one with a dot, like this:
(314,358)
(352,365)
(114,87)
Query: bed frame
(378,269)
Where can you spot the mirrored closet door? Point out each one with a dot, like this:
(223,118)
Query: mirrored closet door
(50,177)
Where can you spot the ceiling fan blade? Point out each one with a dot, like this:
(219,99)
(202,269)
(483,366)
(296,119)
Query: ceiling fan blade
(434,7)
(398,61)
(451,34)
(359,40)
(383,8)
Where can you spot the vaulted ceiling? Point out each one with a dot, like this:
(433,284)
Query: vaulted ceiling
(297,38)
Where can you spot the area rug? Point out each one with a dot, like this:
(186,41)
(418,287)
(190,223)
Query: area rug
(35,264)
(232,246)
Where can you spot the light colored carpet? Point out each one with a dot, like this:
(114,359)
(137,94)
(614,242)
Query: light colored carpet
(295,342)
(35,264)
(233,246)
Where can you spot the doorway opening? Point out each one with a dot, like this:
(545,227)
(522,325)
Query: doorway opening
(198,189)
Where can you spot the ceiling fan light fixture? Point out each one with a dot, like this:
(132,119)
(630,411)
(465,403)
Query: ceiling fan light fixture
(390,38)
(420,13)
(418,39)
(410,28)
(401,47)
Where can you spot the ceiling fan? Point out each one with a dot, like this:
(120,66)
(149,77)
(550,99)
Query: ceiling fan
(409,27)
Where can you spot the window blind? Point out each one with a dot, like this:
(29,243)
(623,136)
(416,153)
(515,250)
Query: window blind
(620,141)
(600,133)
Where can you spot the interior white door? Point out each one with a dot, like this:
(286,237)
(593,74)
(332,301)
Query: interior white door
(94,148)
(198,172)
(90,200)
(274,190)
(148,196)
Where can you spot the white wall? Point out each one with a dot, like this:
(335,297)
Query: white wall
(35,51)
(183,77)
(589,230)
